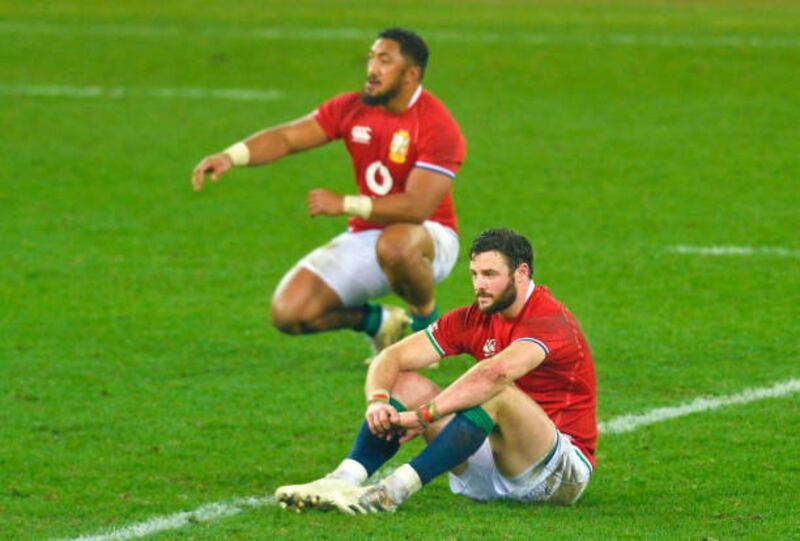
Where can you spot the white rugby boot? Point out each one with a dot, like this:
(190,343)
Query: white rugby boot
(383,497)
(325,493)
(395,324)
(329,492)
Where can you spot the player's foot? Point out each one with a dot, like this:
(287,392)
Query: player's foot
(395,324)
(324,494)
(375,499)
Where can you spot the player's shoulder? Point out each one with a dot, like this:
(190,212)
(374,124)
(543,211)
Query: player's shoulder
(464,316)
(546,312)
(431,105)
(543,301)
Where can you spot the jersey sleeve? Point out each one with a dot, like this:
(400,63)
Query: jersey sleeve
(446,334)
(547,332)
(330,114)
(442,147)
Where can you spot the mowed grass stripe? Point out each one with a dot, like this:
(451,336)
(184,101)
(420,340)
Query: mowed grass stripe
(617,425)
(735,250)
(754,41)
(67,91)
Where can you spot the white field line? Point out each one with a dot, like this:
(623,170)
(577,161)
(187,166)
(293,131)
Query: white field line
(734,250)
(629,423)
(211,511)
(237,94)
(616,425)
(755,41)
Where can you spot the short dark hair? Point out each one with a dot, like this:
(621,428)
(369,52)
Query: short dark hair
(515,248)
(412,46)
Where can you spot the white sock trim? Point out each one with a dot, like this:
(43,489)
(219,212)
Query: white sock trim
(384,319)
(351,470)
(404,481)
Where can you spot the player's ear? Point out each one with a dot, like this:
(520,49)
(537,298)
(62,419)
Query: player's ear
(414,73)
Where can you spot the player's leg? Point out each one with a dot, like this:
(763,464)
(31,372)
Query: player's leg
(328,289)
(303,303)
(414,258)
(410,391)
(524,433)
(520,433)
(526,458)
(367,455)
(405,253)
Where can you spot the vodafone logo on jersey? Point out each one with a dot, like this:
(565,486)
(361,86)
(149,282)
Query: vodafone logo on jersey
(379,179)
(361,134)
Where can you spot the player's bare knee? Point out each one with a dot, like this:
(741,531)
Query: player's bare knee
(413,389)
(499,402)
(285,317)
(393,252)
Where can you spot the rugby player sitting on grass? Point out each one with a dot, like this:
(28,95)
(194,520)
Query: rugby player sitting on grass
(519,425)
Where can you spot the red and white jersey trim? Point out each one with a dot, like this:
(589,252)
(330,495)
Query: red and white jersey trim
(436,169)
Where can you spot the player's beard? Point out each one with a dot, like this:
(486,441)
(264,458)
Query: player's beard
(504,300)
(384,97)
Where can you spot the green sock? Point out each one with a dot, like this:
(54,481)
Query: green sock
(419,322)
(371,322)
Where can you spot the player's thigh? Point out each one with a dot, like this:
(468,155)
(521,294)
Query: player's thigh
(402,244)
(302,296)
(445,249)
(346,265)
(524,433)
(561,479)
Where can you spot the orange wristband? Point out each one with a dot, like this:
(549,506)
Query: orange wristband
(425,413)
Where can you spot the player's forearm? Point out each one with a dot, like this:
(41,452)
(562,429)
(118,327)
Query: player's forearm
(382,373)
(402,207)
(267,146)
(475,387)
(276,142)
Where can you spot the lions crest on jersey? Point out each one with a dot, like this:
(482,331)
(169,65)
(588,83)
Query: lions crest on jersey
(398,149)
(489,347)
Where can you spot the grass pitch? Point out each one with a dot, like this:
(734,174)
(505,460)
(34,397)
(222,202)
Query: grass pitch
(138,377)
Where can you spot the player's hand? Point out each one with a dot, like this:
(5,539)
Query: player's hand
(325,202)
(409,423)
(217,165)
(381,419)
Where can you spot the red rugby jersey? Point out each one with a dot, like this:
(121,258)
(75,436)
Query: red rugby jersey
(385,147)
(563,384)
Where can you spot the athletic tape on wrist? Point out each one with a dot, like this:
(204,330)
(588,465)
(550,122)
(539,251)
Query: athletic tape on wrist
(358,205)
(239,153)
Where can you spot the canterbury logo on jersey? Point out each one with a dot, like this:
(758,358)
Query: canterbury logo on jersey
(361,134)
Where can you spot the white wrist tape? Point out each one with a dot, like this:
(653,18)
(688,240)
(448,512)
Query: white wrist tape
(358,205)
(238,153)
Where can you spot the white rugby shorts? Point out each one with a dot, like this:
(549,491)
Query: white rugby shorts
(349,265)
(560,480)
